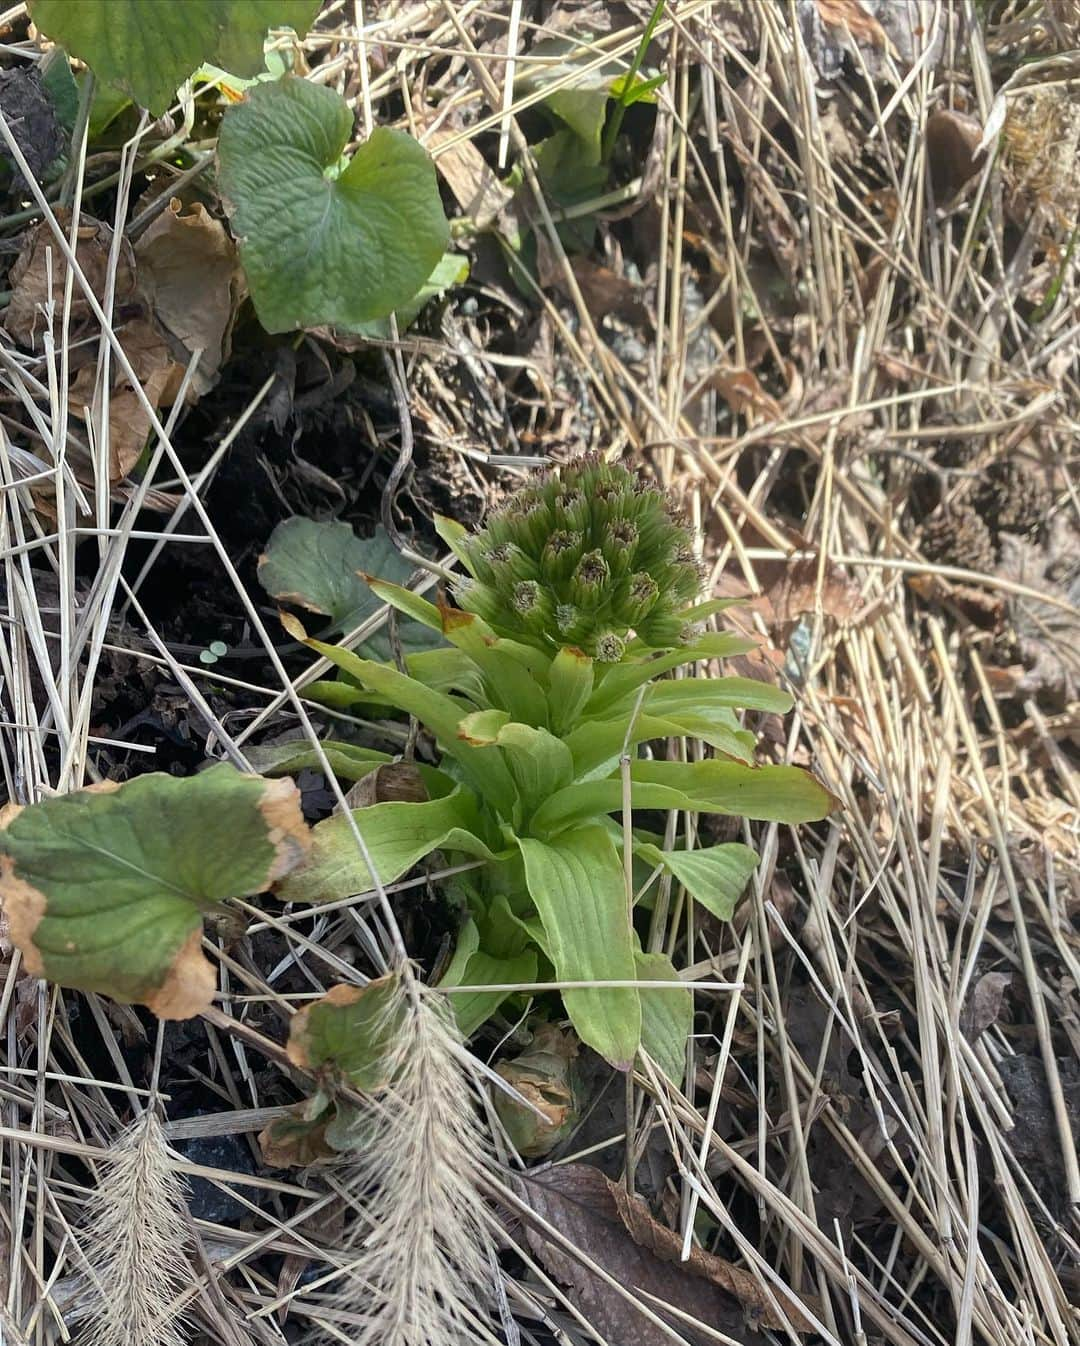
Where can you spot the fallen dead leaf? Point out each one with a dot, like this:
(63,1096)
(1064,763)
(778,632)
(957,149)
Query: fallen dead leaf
(983,1005)
(41,256)
(400,781)
(742,391)
(189,275)
(605,291)
(473,183)
(952,150)
(157,371)
(544,1075)
(740,1284)
(849,16)
(576,1199)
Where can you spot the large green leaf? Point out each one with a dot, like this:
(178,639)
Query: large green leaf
(397,836)
(785,794)
(667,1017)
(699,694)
(782,794)
(148,48)
(105,889)
(319,248)
(321,566)
(715,876)
(577,886)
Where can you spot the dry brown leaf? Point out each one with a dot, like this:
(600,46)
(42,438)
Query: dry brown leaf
(189,275)
(850,16)
(741,1284)
(544,1075)
(742,390)
(983,1005)
(40,254)
(157,372)
(393,781)
(576,1199)
(952,150)
(474,184)
(604,291)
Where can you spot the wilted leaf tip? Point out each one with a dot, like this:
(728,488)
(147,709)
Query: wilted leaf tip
(24,906)
(189,984)
(288,833)
(292,626)
(298,1047)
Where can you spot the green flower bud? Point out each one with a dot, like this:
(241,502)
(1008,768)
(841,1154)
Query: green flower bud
(610,648)
(642,593)
(662,629)
(588,580)
(561,553)
(532,605)
(621,545)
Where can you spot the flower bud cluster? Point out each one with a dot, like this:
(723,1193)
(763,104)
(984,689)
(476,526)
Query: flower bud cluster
(591,557)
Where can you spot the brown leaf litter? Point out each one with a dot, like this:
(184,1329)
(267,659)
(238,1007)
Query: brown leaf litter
(616,1231)
(172,294)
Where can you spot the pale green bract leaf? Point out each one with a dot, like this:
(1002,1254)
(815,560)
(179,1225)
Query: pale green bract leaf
(148,48)
(577,886)
(701,695)
(782,794)
(507,668)
(397,835)
(667,1017)
(468,941)
(715,876)
(455,535)
(539,762)
(620,684)
(598,744)
(319,249)
(439,712)
(104,889)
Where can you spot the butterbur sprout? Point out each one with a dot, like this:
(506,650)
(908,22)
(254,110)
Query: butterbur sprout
(593,557)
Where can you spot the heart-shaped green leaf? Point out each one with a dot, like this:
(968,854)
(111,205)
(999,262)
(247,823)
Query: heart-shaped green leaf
(148,48)
(321,566)
(319,248)
(104,889)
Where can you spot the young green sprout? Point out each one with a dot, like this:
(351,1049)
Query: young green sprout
(591,557)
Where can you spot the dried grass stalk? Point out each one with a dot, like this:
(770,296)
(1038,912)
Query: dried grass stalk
(421,1270)
(134,1240)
